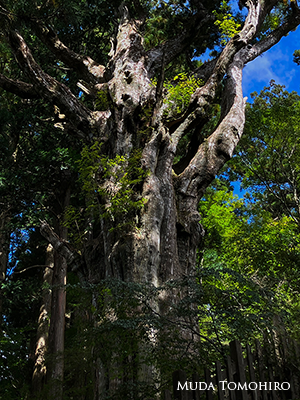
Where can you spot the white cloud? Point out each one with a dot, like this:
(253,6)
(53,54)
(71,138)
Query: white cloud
(275,64)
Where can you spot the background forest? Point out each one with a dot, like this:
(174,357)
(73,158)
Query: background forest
(61,181)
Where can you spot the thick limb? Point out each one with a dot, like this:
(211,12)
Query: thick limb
(85,66)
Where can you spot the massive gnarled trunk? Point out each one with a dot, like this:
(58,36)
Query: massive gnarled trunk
(167,232)
(165,244)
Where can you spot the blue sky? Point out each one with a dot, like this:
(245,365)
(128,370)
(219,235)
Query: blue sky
(277,64)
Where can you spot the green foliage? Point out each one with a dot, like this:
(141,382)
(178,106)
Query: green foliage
(88,167)
(245,239)
(123,326)
(165,18)
(268,162)
(155,31)
(218,212)
(248,266)
(273,20)
(297,57)
(234,305)
(20,300)
(226,22)
(180,90)
(268,155)
(33,157)
(125,174)
(14,367)
(110,335)
(111,185)
(74,221)
(102,102)
(6,57)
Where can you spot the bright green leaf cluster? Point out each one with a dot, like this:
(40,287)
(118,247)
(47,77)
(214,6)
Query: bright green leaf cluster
(244,238)
(122,174)
(102,101)
(180,90)
(88,166)
(226,22)
(110,184)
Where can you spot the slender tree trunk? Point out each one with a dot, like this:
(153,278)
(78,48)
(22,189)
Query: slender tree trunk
(57,327)
(58,301)
(40,370)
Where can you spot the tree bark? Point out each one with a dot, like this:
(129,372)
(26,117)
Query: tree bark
(165,244)
(40,369)
(57,328)
(166,232)
(55,373)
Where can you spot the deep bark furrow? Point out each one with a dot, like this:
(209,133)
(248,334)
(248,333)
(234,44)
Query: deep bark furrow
(170,267)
